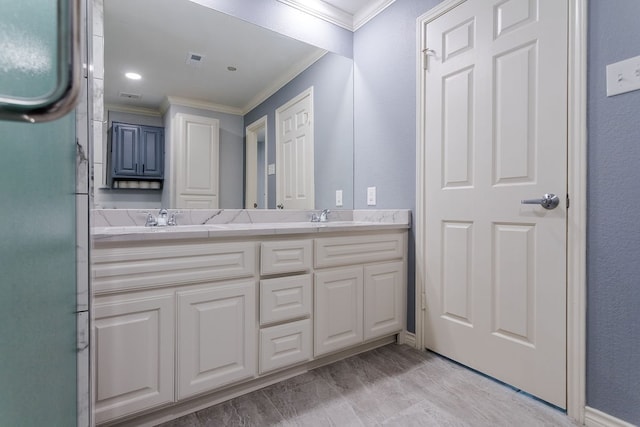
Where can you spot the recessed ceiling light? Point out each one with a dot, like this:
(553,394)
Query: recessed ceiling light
(133,76)
(231,68)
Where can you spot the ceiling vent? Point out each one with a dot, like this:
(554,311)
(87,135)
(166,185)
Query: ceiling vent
(194,59)
(129,95)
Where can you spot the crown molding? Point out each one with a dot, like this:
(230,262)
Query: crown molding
(339,17)
(201,105)
(133,110)
(370,11)
(292,73)
(324,11)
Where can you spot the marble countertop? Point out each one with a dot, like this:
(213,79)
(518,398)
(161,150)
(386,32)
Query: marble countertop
(113,226)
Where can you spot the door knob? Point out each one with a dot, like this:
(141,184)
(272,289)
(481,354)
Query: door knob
(548,201)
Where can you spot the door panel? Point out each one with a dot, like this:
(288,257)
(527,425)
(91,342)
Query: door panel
(152,147)
(338,311)
(495,124)
(216,330)
(197,162)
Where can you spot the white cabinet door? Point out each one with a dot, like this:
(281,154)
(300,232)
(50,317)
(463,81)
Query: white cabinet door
(134,346)
(216,337)
(196,163)
(338,309)
(383,299)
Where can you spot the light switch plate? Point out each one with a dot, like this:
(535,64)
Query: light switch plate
(338,198)
(271,169)
(371,196)
(623,76)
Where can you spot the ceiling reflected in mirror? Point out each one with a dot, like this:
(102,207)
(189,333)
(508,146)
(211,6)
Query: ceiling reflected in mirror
(191,51)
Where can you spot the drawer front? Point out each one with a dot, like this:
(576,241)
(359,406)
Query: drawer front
(337,251)
(285,298)
(143,265)
(287,256)
(284,345)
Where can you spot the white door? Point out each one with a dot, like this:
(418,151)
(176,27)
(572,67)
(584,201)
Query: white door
(196,162)
(495,126)
(294,153)
(255,188)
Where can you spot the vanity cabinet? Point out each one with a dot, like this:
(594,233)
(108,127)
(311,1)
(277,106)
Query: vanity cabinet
(216,336)
(363,300)
(179,321)
(137,152)
(133,346)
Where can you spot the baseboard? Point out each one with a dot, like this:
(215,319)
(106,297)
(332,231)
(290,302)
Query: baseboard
(595,418)
(409,339)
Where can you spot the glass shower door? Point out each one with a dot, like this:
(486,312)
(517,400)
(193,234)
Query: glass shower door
(37,229)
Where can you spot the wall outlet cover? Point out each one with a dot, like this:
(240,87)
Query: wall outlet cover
(338,198)
(271,169)
(623,76)
(371,196)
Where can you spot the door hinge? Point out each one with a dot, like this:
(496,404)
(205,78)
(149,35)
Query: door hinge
(424,301)
(425,57)
(568,201)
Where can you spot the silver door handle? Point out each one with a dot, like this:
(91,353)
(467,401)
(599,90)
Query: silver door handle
(548,201)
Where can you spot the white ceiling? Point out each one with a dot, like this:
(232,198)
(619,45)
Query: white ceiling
(154,38)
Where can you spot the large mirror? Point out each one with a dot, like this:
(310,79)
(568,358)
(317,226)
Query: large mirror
(193,61)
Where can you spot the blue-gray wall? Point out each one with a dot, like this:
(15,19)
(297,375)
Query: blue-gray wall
(384,53)
(332,80)
(613,234)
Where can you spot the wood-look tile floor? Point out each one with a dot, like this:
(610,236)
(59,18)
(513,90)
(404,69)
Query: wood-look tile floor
(394,385)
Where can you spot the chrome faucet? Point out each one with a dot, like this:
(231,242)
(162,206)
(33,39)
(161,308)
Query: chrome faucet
(162,220)
(151,220)
(323,217)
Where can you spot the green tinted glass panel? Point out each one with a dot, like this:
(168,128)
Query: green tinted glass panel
(28,47)
(37,279)
(37,232)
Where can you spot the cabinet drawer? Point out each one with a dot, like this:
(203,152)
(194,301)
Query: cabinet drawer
(150,265)
(287,256)
(285,298)
(285,345)
(337,251)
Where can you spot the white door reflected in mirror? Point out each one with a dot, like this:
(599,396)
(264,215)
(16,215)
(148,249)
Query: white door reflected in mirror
(294,153)
(256,165)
